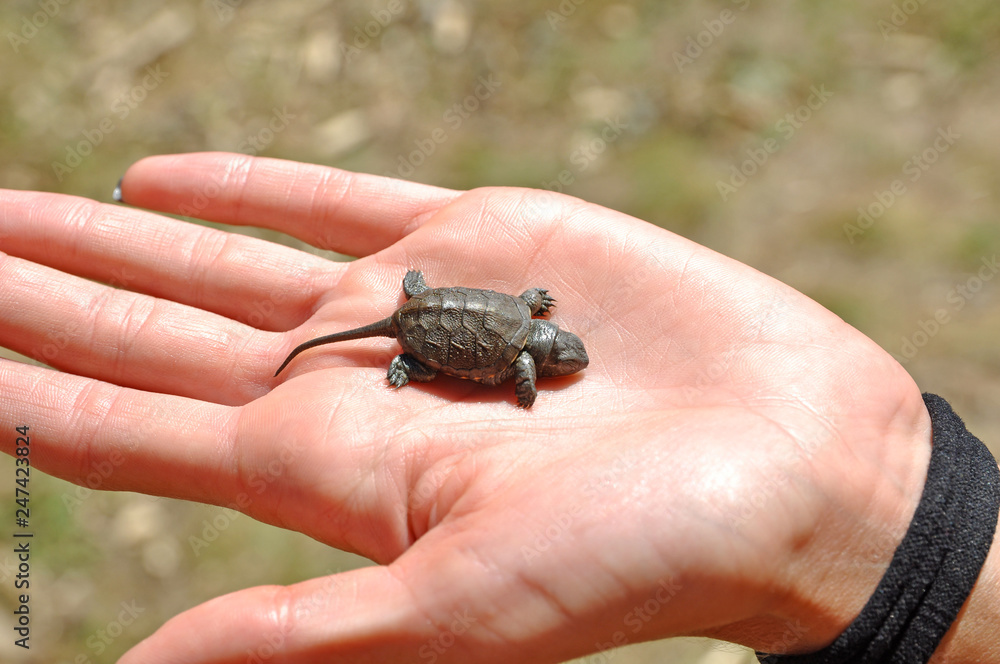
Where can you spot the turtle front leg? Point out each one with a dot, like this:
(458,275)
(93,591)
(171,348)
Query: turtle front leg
(538,300)
(524,379)
(405,368)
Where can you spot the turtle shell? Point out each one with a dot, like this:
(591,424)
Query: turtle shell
(464,332)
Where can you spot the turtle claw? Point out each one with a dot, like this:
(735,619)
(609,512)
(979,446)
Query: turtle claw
(525,393)
(538,300)
(548,302)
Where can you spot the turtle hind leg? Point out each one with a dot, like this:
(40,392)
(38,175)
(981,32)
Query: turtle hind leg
(413,283)
(538,300)
(405,368)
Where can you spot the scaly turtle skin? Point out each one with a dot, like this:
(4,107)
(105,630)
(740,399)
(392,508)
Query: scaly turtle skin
(479,335)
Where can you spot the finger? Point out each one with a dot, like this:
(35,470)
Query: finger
(107,437)
(130,339)
(352,213)
(247,279)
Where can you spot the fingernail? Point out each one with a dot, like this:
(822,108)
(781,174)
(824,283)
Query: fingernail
(117,195)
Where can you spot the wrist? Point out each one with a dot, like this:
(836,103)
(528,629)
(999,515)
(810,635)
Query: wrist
(865,503)
(939,598)
(857,536)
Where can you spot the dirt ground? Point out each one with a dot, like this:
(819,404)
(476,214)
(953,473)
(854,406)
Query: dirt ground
(849,149)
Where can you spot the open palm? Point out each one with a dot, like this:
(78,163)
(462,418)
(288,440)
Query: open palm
(728,431)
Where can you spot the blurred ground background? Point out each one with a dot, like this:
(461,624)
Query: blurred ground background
(645,107)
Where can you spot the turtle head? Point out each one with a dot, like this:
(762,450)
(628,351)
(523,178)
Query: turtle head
(557,352)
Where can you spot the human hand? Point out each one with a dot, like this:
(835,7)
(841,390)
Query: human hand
(731,447)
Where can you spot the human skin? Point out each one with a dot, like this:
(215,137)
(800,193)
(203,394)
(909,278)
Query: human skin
(736,461)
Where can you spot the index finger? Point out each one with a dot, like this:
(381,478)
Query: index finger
(352,213)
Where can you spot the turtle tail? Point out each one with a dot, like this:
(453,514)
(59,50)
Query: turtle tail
(383,328)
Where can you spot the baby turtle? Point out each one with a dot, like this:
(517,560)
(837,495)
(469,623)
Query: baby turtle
(479,335)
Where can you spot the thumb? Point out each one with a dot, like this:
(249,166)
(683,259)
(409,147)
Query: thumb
(365,615)
(444,601)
